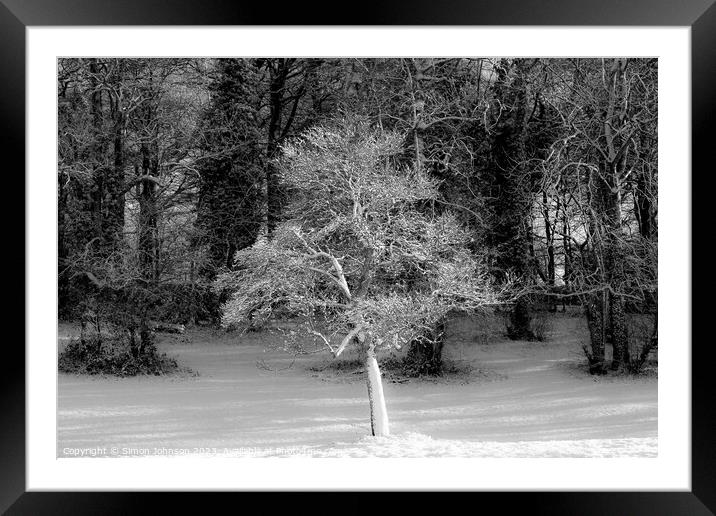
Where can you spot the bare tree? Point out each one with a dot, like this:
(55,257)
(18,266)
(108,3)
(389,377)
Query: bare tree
(604,163)
(357,259)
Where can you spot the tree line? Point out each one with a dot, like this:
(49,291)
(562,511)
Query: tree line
(190,191)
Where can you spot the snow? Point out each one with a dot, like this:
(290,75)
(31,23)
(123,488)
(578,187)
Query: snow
(521,400)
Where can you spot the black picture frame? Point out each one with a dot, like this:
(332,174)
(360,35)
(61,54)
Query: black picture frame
(700,15)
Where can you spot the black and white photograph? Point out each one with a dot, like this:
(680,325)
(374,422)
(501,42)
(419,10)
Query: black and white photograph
(392,257)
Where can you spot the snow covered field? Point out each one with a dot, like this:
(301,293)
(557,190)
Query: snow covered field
(520,400)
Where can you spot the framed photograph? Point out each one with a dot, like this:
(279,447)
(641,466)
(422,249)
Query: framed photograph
(415,250)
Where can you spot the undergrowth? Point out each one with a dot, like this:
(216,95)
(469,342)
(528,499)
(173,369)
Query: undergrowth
(393,369)
(113,356)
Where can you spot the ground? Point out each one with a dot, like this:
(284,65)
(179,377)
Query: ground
(519,399)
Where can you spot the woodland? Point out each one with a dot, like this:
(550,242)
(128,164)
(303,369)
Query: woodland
(357,204)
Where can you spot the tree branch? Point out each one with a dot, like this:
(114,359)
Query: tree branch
(347,339)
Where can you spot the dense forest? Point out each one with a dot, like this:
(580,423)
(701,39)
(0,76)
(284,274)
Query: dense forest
(368,198)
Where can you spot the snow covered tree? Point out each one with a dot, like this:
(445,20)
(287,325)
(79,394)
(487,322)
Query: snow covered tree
(360,259)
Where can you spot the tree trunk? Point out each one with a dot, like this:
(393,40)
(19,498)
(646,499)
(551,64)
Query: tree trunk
(113,205)
(605,312)
(97,151)
(594,311)
(148,216)
(273,188)
(567,249)
(618,332)
(425,355)
(646,187)
(613,264)
(509,196)
(63,283)
(378,410)
(520,325)
(425,358)
(145,337)
(549,237)
(107,203)
(644,209)
(606,256)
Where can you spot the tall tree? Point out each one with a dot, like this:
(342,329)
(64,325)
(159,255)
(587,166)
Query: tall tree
(230,202)
(255,105)
(346,258)
(606,106)
(91,167)
(288,81)
(518,135)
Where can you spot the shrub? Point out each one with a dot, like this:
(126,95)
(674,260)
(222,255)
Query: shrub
(541,327)
(114,356)
(186,303)
(642,338)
